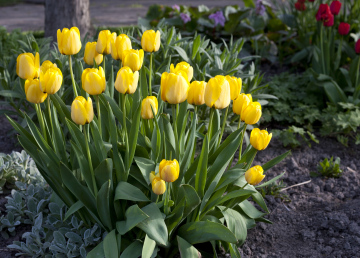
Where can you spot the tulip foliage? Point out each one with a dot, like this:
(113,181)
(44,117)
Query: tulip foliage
(131,164)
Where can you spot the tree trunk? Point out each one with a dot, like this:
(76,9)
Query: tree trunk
(61,14)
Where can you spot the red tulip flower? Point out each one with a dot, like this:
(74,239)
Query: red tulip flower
(344,28)
(324,14)
(330,21)
(357,47)
(300,6)
(335,7)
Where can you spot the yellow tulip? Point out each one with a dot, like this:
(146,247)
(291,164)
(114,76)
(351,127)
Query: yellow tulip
(103,45)
(169,170)
(235,86)
(196,94)
(119,45)
(91,54)
(153,175)
(93,80)
(50,77)
(252,113)
(217,92)
(183,66)
(28,66)
(254,175)
(260,139)
(33,92)
(146,104)
(158,186)
(133,59)
(174,87)
(241,102)
(150,41)
(69,41)
(126,80)
(82,111)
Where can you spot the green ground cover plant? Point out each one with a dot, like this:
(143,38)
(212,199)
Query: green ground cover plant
(328,168)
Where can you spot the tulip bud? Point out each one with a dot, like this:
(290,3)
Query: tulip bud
(133,59)
(82,111)
(33,92)
(196,94)
(119,45)
(91,54)
(217,92)
(183,66)
(335,7)
(357,47)
(254,175)
(260,139)
(241,102)
(126,81)
(28,66)
(235,86)
(50,77)
(146,104)
(344,28)
(174,87)
(69,42)
(158,186)
(300,6)
(152,175)
(169,170)
(93,81)
(103,45)
(252,113)
(150,41)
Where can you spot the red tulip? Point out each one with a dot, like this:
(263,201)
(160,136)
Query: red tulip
(323,11)
(335,7)
(344,28)
(300,6)
(357,47)
(330,21)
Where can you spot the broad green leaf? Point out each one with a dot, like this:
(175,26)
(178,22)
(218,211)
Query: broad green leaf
(12,94)
(133,250)
(259,199)
(234,252)
(235,223)
(103,172)
(270,181)
(275,161)
(250,210)
(229,177)
(133,136)
(110,245)
(126,191)
(148,247)
(146,166)
(74,208)
(196,45)
(201,171)
(182,53)
(334,92)
(186,249)
(103,205)
(98,142)
(97,252)
(134,215)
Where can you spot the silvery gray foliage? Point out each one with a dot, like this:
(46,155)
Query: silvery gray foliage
(32,203)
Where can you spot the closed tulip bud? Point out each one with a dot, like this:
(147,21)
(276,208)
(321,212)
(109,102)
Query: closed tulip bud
(153,175)
(217,92)
(158,186)
(150,41)
(335,7)
(252,113)
(146,104)
(69,41)
(133,59)
(28,66)
(260,139)
(93,81)
(126,80)
(169,170)
(241,102)
(174,87)
(82,111)
(119,45)
(254,175)
(91,54)
(235,86)
(344,28)
(183,66)
(50,78)
(33,92)
(103,45)
(196,94)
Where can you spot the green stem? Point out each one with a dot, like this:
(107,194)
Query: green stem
(104,63)
(89,160)
(322,49)
(98,113)
(49,111)
(223,125)
(72,77)
(123,103)
(357,83)
(232,159)
(41,120)
(241,142)
(167,198)
(150,74)
(209,132)
(338,56)
(251,161)
(174,111)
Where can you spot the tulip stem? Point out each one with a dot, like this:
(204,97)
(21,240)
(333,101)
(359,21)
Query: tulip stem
(248,165)
(223,125)
(242,140)
(72,77)
(209,132)
(322,49)
(41,120)
(357,83)
(49,111)
(98,113)
(123,103)
(89,159)
(174,111)
(166,204)
(150,74)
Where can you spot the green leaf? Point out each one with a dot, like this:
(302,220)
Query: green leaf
(126,191)
(182,53)
(110,245)
(186,249)
(275,161)
(74,208)
(146,166)
(196,45)
(133,136)
(235,222)
(97,252)
(103,172)
(11,94)
(201,171)
(103,204)
(270,181)
(250,210)
(229,177)
(134,215)
(205,231)
(133,250)
(148,247)
(334,92)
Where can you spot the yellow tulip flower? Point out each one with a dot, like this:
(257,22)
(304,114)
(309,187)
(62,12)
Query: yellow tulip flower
(252,113)
(119,45)
(235,86)
(133,59)
(183,66)
(260,139)
(33,92)
(150,41)
(254,175)
(28,66)
(146,104)
(241,102)
(93,81)
(174,87)
(50,77)
(69,41)
(126,80)
(103,45)
(196,94)
(158,186)
(91,54)
(169,170)
(217,92)
(82,111)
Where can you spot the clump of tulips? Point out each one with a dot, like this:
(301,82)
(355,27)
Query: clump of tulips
(131,167)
